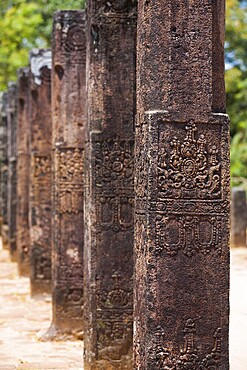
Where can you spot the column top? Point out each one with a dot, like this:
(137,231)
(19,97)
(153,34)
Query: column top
(39,58)
(23,72)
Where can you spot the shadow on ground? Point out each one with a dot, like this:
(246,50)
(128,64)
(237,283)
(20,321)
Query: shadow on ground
(23,320)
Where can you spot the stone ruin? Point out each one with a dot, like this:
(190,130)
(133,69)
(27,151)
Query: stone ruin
(115,189)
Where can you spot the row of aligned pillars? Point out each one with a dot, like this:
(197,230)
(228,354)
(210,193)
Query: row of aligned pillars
(84,143)
(23,174)
(4,171)
(109,187)
(182,187)
(40,174)
(68,138)
(11,174)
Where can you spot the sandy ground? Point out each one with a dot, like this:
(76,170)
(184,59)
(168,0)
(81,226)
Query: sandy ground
(23,320)
(238,310)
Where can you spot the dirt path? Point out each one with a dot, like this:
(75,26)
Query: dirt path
(238,308)
(23,320)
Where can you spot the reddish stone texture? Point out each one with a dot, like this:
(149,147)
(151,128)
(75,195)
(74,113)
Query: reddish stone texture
(40,177)
(23,173)
(68,115)
(181,295)
(109,177)
(12,153)
(238,217)
(2,150)
(4,170)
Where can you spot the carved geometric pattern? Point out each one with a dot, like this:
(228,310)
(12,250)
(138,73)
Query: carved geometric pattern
(189,357)
(115,212)
(70,162)
(74,40)
(114,184)
(189,234)
(71,199)
(117,297)
(114,311)
(41,192)
(117,325)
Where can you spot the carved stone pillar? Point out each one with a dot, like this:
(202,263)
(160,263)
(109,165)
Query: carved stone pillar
(23,173)
(68,114)
(181,303)
(12,153)
(111,45)
(2,150)
(4,171)
(238,217)
(40,177)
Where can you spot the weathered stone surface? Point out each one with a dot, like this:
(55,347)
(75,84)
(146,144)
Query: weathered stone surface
(12,154)
(40,189)
(4,170)
(182,188)
(68,115)
(111,38)
(238,217)
(23,173)
(2,130)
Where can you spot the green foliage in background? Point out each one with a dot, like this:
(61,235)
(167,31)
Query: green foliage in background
(48,7)
(25,25)
(19,31)
(236,86)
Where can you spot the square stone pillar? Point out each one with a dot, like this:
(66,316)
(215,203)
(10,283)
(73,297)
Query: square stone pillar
(238,217)
(40,177)
(2,150)
(4,170)
(23,173)
(12,153)
(68,115)
(181,299)
(109,181)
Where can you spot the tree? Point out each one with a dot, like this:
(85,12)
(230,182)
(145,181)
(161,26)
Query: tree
(19,33)
(236,62)
(25,25)
(50,6)
(236,85)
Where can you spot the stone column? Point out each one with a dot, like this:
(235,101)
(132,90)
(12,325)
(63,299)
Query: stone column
(181,297)
(111,46)
(4,171)
(2,149)
(23,173)
(68,115)
(238,217)
(40,177)
(12,153)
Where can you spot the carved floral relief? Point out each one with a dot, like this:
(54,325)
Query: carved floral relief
(189,164)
